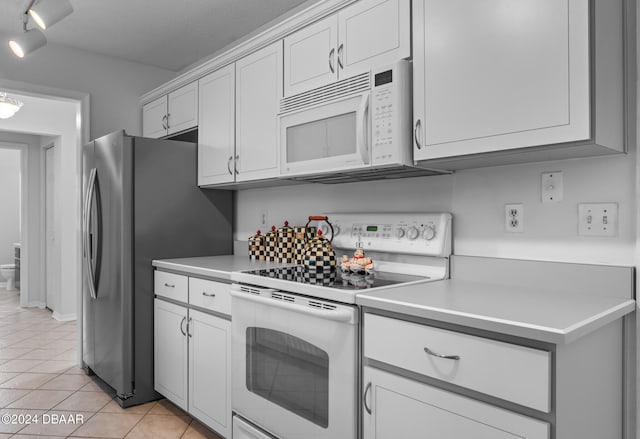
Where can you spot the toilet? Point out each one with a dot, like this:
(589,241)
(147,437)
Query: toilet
(8,272)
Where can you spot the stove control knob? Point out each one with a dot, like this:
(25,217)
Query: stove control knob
(412,233)
(336,230)
(429,233)
(399,233)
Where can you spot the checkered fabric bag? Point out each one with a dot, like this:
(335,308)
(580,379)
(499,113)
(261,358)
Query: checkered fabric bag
(271,245)
(285,243)
(257,248)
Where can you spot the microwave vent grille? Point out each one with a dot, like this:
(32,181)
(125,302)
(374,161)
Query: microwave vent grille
(326,93)
(370,174)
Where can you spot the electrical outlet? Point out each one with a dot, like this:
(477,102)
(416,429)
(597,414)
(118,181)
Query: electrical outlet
(551,188)
(264,218)
(514,218)
(598,219)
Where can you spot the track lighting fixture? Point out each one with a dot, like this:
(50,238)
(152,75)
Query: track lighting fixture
(45,13)
(8,106)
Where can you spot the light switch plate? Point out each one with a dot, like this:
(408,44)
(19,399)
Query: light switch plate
(598,219)
(552,187)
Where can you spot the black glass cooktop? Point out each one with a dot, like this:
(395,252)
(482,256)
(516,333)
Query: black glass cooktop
(335,278)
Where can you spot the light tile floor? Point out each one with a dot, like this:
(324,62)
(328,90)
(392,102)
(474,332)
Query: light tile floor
(39,376)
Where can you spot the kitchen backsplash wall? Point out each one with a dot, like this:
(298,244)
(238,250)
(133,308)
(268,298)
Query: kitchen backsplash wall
(477,198)
(9,202)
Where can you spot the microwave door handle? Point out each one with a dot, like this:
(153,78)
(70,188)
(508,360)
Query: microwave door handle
(362,129)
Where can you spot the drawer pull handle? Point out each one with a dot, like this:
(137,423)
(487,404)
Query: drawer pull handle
(364,398)
(446,357)
(169,285)
(204,293)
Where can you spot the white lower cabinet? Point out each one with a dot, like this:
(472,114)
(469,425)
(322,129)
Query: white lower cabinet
(209,367)
(170,352)
(192,352)
(399,408)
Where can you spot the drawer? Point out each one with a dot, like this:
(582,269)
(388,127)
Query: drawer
(210,295)
(172,286)
(504,370)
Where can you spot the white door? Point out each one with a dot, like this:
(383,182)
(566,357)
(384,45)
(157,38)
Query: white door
(398,408)
(52,247)
(310,56)
(258,93)
(170,352)
(216,131)
(209,370)
(182,108)
(496,74)
(373,33)
(154,118)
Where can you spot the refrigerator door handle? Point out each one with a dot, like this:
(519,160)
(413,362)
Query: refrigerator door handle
(87,236)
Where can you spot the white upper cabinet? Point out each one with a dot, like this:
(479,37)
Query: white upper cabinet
(258,93)
(170,114)
(310,56)
(154,116)
(216,131)
(495,75)
(183,109)
(369,33)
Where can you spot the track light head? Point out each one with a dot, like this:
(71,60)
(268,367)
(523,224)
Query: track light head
(28,42)
(46,13)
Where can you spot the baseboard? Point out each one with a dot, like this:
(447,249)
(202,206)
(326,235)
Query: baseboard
(36,305)
(64,317)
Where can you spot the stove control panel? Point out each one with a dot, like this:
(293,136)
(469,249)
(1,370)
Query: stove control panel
(427,234)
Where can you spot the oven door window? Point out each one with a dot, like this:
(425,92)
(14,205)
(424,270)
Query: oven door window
(289,372)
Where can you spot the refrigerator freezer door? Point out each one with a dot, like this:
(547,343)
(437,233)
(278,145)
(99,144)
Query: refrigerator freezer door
(87,263)
(112,306)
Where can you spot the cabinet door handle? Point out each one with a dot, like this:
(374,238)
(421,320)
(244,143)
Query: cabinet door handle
(340,50)
(229,165)
(168,116)
(204,293)
(184,319)
(235,166)
(446,357)
(169,285)
(332,52)
(364,398)
(416,132)
(189,327)
(164,118)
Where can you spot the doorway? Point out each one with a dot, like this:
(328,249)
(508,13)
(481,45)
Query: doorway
(11,205)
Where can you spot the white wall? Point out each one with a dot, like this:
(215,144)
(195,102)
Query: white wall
(113,84)
(477,198)
(9,203)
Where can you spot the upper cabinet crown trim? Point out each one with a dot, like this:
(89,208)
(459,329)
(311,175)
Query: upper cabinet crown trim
(306,14)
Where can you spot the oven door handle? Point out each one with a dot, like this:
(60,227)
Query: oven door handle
(344,315)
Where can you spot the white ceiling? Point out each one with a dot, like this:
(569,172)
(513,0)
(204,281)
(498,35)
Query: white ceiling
(171,34)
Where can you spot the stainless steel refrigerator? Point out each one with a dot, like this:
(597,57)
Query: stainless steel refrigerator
(140,202)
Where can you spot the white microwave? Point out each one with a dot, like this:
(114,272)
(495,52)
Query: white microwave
(359,123)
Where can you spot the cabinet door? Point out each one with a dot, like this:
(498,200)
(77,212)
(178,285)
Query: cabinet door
(209,371)
(154,115)
(400,408)
(310,56)
(495,75)
(216,137)
(373,33)
(183,108)
(258,93)
(170,352)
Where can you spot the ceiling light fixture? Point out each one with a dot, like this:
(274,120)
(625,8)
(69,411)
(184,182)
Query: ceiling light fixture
(46,13)
(8,106)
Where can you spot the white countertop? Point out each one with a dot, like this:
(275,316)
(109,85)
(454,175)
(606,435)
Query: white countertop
(553,316)
(219,267)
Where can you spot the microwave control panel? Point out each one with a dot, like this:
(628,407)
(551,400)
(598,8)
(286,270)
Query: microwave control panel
(390,108)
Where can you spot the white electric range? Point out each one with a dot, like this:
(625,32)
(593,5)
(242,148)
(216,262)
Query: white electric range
(295,347)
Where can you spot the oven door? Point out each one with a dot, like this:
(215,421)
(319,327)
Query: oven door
(294,364)
(326,138)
